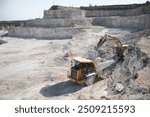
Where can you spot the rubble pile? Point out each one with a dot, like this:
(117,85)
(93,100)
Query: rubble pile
(2,42)
(131,76)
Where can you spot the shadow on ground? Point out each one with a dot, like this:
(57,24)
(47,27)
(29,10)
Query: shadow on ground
(59,89)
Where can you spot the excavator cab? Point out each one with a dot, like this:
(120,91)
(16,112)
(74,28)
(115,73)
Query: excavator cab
(82,71)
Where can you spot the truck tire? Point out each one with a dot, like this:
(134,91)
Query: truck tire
(90,80)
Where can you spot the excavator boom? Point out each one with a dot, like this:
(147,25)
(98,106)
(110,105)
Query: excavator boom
(110,39)
(116,42)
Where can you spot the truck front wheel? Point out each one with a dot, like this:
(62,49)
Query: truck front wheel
(90,80)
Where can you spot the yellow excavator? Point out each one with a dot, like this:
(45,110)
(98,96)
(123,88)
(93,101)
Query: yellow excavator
(113,40)
(119,48)
(84,70)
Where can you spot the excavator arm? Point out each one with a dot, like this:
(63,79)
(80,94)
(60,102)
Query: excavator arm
(109,39)
(113,40)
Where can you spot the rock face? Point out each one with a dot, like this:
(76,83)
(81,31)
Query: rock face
(63,14)
(134,17)
(117,10)
(8,24)
(46,33)
(129,22)
(54,23)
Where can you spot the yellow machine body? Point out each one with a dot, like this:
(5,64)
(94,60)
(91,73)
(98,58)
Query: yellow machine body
(80,68)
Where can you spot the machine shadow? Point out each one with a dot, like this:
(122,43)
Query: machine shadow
(59,89)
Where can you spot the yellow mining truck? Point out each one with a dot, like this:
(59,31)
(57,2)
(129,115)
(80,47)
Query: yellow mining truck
(84,70)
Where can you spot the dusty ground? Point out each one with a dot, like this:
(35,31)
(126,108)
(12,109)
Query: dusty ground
(37,69)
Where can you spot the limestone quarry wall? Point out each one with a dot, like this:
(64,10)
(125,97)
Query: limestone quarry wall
(61,22)
(126,10)
(43,33)
(98,11)
(131,22)
(134,16)
(7,24)
(62,14)
(53,23)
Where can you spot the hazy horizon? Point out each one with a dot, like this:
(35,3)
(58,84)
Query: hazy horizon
(30,9)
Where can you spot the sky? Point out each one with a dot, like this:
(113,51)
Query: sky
(30,9)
